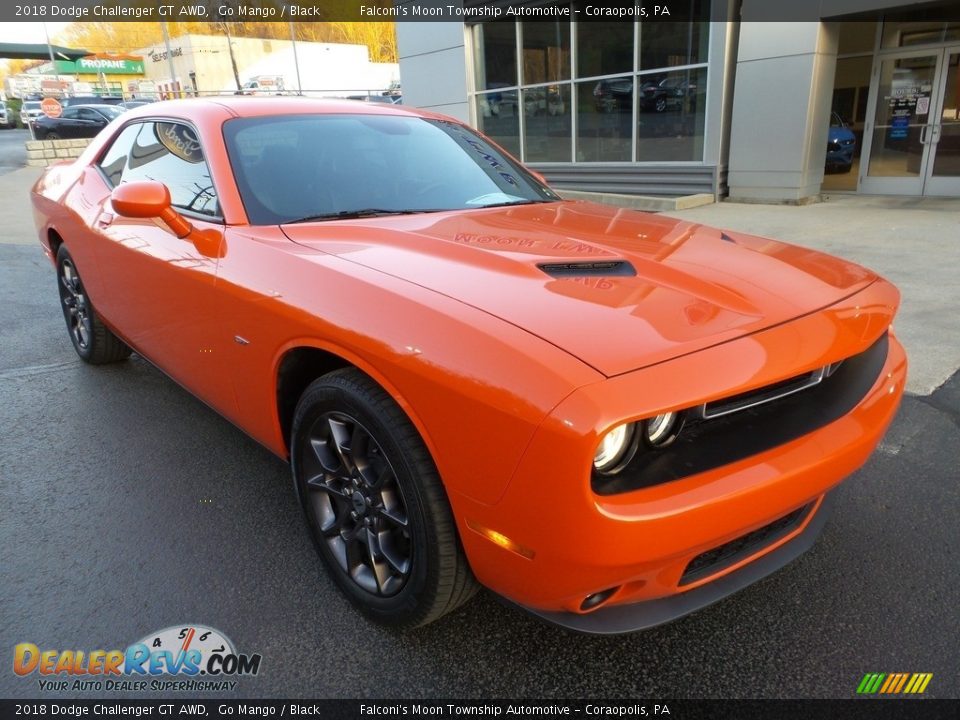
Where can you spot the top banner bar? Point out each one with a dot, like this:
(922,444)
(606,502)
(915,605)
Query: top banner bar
(469,10)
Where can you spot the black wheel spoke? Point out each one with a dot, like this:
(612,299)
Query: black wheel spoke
(340,436)
(329,460)
(395,516)
(397,560)
(376,560)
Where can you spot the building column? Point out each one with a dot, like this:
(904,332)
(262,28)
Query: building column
(781,110)
(433,67)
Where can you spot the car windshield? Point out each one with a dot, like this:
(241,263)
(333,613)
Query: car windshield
(327,167)
(30,105)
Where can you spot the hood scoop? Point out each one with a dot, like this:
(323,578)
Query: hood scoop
(605,268)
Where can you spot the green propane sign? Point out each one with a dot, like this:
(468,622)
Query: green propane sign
(110,66)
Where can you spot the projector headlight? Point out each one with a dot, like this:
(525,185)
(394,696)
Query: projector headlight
(615,448)
(662,430)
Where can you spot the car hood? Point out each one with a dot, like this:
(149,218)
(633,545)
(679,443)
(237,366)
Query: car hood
(680,287)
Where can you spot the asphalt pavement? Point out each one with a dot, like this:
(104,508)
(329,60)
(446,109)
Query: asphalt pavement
(13,151)
(127,506)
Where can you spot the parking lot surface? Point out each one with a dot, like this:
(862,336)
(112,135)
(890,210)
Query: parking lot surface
(127,506)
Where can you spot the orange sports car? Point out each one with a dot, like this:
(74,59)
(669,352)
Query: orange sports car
(609,418)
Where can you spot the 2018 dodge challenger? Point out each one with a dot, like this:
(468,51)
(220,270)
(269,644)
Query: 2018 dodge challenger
(608,417)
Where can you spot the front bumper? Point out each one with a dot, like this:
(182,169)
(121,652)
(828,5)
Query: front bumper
(636,546)
(631,617)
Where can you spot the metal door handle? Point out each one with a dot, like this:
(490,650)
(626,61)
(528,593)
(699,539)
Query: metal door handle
(935,133)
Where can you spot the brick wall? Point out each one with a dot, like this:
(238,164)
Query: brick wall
(41,153)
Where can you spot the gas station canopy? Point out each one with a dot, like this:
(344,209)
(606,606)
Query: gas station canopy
(39,51)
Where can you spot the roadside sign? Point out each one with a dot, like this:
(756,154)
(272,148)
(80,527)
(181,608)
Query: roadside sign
(51,108)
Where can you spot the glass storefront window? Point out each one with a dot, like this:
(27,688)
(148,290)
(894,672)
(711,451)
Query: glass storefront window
(670,124)
(498,118)
(604,115)
(547,119)
(635,93)
(546,52)
(847,118)
(604,48)
(668,44)
(907,33)
(495,54)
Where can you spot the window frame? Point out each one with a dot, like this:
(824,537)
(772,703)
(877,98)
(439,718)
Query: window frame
(192,214)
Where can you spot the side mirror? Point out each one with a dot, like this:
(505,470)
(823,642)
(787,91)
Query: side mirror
(149,199)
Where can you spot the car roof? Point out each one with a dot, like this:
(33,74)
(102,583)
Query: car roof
(244,106)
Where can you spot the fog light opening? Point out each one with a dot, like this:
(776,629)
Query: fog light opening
(591,602)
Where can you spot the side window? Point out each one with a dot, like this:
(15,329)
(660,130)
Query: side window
(69,113)
(115,159)
(87,114)
(171,153)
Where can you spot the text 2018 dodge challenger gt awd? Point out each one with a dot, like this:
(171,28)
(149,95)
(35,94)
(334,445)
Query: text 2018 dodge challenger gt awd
(608,417)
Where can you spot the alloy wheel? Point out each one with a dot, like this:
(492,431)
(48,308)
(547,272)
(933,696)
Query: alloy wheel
(75,305)
(356,504)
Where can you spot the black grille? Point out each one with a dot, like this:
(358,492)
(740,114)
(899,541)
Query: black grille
(705,444)
(719,558)
(769,393)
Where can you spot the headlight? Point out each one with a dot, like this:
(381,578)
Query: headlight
(662,430)
(616,447)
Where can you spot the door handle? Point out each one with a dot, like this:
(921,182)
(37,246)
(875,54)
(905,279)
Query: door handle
(923,135)
(934,134)
(105,220)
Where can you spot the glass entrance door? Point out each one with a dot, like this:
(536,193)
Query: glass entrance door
(897,145)
(944,134)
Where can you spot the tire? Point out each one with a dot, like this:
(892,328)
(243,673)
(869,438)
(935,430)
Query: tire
(374,503)
(51,136)
(93,341)
(660,105)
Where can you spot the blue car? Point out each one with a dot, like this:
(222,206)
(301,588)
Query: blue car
(841,144)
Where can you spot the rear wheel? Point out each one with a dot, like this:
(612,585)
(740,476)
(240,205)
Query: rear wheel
(375,504)
(52,136)
(92,340)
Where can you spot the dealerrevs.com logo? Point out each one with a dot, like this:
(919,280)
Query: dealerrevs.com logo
(184,657)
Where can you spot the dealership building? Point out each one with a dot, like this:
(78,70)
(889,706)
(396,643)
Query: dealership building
(860,96)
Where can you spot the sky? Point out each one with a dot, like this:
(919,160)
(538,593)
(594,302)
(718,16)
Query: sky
(28,32)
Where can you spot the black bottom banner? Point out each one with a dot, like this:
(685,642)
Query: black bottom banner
(862,709)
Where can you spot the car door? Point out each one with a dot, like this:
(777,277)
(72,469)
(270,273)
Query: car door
(158,289)
(64,126)
(88,123)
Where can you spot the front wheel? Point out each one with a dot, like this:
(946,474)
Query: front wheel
(92,340)
(374,503)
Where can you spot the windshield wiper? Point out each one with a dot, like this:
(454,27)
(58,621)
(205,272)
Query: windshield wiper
(359,213)
(514,202)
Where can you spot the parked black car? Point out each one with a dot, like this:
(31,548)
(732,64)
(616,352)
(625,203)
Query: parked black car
(76,121)
(671,92)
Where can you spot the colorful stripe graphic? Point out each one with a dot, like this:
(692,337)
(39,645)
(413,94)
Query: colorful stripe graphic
(894,683)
